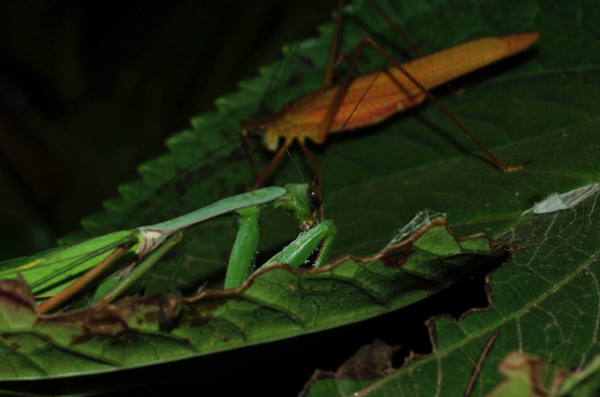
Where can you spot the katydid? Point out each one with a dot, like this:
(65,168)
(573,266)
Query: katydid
(63,272)
(318,114)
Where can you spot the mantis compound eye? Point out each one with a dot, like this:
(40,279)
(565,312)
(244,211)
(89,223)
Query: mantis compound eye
(315,196)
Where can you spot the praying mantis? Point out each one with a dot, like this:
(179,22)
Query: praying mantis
(64,272)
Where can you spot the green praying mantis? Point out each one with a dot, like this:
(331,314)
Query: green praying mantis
(63,272)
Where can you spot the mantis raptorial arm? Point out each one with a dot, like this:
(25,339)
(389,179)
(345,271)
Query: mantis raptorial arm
(243,254)
(300,200)
(319,237)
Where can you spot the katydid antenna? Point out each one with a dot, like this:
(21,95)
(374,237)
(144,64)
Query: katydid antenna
(295,165)
(388,60)
(345,124)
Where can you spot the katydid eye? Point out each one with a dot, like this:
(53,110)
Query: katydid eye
(315,196)
(256,130)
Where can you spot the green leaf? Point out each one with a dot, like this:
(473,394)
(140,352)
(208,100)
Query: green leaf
(551,311)
(371,362)
(524,375)
(545,302)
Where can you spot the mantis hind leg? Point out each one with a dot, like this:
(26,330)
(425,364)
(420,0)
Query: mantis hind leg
(126,282)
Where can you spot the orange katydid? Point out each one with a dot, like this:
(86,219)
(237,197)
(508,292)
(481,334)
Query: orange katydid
(381,94)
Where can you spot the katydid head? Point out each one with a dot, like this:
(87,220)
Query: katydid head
(268,141)
(260,130)
(303,201)
(254,129)
(269,131)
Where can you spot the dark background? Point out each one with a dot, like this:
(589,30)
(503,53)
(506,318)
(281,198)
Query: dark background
(90,90)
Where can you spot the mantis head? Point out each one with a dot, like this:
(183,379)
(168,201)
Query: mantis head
(303,201)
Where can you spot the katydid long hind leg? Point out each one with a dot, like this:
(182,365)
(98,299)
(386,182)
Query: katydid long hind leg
(405,38)
(329,117)
(333,60)
(261,180)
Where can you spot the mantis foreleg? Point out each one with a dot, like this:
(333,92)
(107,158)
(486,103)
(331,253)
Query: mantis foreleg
(241,263)
(243,254)
(300,249)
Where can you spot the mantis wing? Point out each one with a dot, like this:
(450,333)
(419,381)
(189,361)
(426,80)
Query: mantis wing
(51,271)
